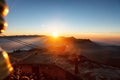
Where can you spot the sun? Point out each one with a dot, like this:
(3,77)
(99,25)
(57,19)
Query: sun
(55,35)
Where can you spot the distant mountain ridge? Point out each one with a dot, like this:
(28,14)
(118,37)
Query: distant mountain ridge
(82,43)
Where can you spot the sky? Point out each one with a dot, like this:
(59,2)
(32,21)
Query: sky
(81,18)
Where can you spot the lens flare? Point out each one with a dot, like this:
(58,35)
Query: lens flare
(55,35)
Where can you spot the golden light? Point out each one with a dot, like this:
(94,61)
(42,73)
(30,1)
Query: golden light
(5,26)
(1,31)
(5,65)
(5,12)
(55,35)
(9,66)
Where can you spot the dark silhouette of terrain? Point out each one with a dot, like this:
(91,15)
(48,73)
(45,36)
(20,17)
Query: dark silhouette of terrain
(65,54)
(57,67)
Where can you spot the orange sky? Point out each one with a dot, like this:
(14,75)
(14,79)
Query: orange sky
(101,37)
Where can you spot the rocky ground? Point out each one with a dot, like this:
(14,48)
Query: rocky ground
(87,69)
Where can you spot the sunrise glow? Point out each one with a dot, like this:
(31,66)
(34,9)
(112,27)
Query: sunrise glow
(55,35)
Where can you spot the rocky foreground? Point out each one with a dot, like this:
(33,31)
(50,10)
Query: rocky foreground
(87,69)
